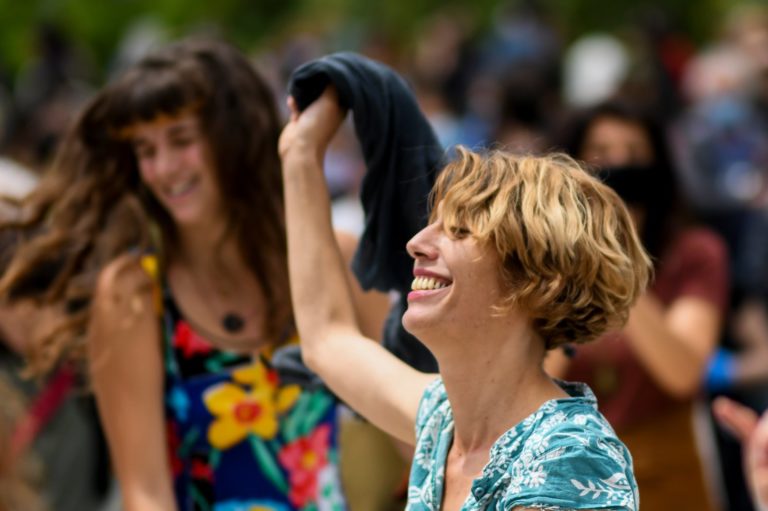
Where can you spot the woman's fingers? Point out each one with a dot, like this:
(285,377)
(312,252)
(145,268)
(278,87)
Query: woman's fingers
(740,420)
(310,131)
(292,108)
(752,432)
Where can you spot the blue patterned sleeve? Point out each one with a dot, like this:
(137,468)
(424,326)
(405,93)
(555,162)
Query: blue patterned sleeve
(574,475)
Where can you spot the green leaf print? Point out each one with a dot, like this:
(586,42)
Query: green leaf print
(274,447)
(318,407)
(213,365)
(188,442)
(200,502)
(268,463)
(333,457)
(292,423)
(214,458)
(217,362)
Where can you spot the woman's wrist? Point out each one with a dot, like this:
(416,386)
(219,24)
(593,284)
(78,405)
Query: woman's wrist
(301,155)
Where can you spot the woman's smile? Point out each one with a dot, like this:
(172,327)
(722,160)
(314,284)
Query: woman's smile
(181,189)
(427,284)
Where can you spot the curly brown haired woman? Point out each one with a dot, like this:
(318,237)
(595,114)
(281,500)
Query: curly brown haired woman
(162,222)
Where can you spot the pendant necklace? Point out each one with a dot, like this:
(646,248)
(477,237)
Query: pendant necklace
(232,322)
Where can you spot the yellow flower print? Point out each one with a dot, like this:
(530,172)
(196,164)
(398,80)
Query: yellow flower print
(257,375)
(287,397)
(239,413)
(263,379)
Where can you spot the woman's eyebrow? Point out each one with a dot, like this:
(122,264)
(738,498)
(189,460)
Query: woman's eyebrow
(182,127)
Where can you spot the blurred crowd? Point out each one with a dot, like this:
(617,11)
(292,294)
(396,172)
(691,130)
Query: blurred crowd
(698,112)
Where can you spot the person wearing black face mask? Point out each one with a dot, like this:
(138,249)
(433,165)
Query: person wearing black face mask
(647,375)
(650,191)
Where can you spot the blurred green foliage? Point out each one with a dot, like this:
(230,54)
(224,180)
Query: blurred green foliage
(98,25)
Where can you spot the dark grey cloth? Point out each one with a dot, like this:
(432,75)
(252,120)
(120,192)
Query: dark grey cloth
(402,157)
(74,470)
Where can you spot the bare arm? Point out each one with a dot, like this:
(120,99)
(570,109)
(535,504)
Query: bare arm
(750,328)
(674,344)
(371,307)
(124,348)
(357,369)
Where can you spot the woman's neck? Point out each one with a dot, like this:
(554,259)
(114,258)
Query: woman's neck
(497,385)
(208,248)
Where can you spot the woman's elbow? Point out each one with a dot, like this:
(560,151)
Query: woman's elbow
(320,349)
(684,385)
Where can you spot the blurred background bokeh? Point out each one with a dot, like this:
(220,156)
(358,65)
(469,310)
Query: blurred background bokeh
(499,73)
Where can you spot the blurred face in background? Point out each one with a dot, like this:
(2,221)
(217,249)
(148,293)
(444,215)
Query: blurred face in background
(175,164)
(615,142)
(624,148)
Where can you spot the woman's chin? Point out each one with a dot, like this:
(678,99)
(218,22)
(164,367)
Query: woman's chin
(187,217)
(420,326)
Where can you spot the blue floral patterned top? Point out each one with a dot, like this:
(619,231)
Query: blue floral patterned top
(563,456)
(239,438)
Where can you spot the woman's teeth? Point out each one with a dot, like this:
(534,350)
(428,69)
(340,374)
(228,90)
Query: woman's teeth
(181,188)
(427,283)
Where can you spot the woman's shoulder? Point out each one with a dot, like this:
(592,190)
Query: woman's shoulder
(570,427)
(699,242)
(123,284)
(574,421)
(697,265)
(432,401)
(569,451)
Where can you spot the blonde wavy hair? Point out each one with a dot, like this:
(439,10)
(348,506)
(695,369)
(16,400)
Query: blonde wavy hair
(571,257)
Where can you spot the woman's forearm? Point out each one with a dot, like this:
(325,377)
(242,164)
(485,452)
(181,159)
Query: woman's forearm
(319,287)
(361,372)
(675,344)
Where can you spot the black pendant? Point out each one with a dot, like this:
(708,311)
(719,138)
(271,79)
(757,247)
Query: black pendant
(232,322)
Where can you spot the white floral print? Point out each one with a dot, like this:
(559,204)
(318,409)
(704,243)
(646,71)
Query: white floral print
(563,456)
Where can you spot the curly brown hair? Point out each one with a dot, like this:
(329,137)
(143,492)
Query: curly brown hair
(571,256)
(91,206)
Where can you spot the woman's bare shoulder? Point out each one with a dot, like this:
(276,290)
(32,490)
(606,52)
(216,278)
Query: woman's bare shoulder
(124,286)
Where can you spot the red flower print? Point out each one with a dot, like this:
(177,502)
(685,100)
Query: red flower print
(201,470)
(304,458)
(174,442)
(189,342)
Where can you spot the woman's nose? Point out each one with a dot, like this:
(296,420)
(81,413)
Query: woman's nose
(166,161)
(422,245)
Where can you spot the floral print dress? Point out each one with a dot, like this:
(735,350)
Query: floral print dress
(239,440)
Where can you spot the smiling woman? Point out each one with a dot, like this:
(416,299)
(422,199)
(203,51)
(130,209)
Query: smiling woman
(522,254)
(175,164)
(162,224)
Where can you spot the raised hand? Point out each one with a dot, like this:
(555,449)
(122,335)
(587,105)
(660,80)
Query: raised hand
(752,432)
(308,133)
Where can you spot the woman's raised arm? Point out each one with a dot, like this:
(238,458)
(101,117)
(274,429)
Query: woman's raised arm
(371,380)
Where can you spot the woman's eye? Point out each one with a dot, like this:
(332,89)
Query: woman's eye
(143,152)
(460,232)
(182,141)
